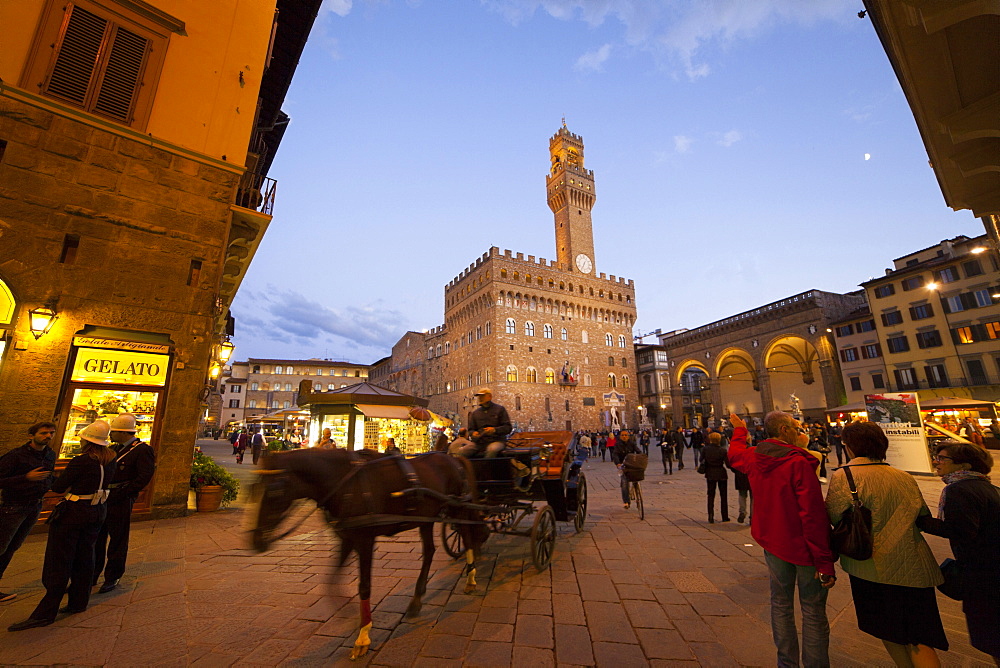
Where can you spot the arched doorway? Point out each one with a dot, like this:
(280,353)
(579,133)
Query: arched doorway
(739,387)
(695,394)
(792,365)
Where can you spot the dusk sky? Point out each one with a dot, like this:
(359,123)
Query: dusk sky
(743,152)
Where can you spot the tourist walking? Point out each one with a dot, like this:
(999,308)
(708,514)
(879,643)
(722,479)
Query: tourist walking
(603,445)
(790,522)
(667,451)
(715,461)
(680,442)
(969,517)
(257,446)
(893,591)
(697,443)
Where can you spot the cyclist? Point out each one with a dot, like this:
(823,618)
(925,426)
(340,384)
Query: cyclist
(624,445)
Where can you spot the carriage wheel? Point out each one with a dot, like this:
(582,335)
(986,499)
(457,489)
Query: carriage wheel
(543,538)
(581,503)
(451,539)
(637,492)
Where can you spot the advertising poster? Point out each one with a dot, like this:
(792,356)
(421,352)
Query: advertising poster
(898,413)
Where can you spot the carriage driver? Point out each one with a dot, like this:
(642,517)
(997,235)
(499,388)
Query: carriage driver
(489,425)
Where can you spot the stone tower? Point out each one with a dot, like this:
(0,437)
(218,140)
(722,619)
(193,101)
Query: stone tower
(571,195)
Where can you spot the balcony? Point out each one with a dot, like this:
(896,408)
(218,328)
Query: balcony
(256,192)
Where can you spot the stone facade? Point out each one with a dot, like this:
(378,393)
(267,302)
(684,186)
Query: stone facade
(551,338)
(753,362)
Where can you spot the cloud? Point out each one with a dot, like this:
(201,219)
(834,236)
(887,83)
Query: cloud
(279,314)
(593,61)
(338,7)
(682,32)
(729,138)
(682,144)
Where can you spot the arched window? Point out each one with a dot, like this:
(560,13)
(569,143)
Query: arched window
(530,375)
(489,328)
(548,405)
(511,326)
(550,376)
(547,331)
(256,368)
(288,387)
(447,347)
(287,404)
(517,402)
(289,370)
(587,380)
(317,387)
(252,403)
(331,387)
(529,328)
(319,372)
(277,369)
(621,340)
(479,332)
(430,352)
(584,337)
(624,362)
(511,373)
(609,340)
(611,361)
(437,350)
(253,387)
(563,334)
(625,383)
(612,382)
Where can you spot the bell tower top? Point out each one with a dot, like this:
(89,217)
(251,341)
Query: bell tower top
(571,196)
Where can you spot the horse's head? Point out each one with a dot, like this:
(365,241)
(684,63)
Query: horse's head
(271,497)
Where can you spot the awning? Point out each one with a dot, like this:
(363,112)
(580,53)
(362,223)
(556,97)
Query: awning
(377,411)
(847,408)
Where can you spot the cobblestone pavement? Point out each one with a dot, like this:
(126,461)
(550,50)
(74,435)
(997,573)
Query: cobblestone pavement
(670,590)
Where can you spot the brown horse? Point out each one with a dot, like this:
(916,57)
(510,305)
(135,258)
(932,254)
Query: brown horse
(366,495)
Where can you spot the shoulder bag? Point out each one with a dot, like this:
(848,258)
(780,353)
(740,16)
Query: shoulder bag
(852,536)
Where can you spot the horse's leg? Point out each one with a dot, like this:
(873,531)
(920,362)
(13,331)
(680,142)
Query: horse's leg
(470,569)
(364,546)
(427,538)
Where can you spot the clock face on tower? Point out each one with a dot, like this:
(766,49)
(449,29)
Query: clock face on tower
(583,263)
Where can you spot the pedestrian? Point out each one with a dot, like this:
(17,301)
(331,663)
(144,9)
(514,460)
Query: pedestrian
(697,443)
(742,484)
(69,551)
(758,434)
(584,442)
(390,447)
(969,429)
(644,441)
(625,445)
(969,517)
(817,443)
(836,441)
(715,461)
(680,442)
(242,443)
(489,425)
(135,463)
(893,591)
(25,477)
(603,444)
(667,452)
(460,442)
(257,446)
(234,438)
(326,440)
(791,524)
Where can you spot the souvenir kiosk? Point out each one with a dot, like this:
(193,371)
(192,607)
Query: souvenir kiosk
(366,416)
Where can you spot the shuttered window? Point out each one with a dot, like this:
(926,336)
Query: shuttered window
(98,65)
(98,60)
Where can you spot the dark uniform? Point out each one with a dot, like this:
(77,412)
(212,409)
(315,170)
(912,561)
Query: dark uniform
(21,499)
(134,467)
(69,552)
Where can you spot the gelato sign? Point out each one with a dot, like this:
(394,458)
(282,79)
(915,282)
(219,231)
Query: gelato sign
(898,413)
(122,367)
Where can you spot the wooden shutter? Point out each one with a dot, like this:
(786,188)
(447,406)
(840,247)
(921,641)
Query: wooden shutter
(120,83)
(79,50)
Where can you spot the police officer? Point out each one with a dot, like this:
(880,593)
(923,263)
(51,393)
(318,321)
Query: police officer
(134,467)
(25,476)
(73,527)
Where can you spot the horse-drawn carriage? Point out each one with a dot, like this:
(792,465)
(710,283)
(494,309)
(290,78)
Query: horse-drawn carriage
(366,495)
(535,467)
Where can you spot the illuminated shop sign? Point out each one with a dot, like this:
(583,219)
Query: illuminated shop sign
(135,346)
(105,365)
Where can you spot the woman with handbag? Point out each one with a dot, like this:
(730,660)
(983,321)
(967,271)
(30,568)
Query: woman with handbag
(714,461)
(893,590)
(69,552)
(969,517)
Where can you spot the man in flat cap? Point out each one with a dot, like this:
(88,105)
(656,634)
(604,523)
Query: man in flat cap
(489,426)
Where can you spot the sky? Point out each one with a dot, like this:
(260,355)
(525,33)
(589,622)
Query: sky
(743,152)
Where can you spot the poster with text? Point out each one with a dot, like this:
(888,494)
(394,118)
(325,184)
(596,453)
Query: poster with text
(898,413)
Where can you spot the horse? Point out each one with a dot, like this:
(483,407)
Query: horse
(366,494)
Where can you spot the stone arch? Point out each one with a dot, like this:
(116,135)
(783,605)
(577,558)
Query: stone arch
(791,363)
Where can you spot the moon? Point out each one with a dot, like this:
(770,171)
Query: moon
(868,156)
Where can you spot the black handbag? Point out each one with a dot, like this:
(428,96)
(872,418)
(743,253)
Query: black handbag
(701,468)
(852,537)
(953,585)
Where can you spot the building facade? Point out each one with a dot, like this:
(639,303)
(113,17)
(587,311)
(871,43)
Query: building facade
(135,139)
(653,365)
(937,317)
(552,338)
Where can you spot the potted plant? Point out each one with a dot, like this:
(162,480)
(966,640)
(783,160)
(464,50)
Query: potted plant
(213,485)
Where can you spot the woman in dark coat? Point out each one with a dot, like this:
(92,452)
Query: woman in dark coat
(715,461)
(69,551)
(969,517)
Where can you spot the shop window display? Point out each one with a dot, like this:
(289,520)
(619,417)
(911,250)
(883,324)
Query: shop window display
(89,404)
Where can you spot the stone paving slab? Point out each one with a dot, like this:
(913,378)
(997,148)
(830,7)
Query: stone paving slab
(672,590)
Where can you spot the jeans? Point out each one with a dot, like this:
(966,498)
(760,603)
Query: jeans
(625,484)
(697,455)
(15,524)
(812,599)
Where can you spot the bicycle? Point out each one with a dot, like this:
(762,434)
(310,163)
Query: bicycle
(635,496)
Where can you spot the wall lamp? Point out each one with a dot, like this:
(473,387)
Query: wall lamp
(226,349)
(41,320)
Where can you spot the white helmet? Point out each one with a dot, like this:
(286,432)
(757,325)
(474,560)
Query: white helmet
(123,422)
(96,432)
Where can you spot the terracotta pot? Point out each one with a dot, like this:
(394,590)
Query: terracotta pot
(209,498)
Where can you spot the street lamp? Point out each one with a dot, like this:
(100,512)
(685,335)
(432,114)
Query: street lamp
(41,320)
(226,349)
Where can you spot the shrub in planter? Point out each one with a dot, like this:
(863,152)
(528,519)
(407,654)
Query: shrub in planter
(205,472)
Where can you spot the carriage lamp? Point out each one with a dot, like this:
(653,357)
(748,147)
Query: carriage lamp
(226,349)
(41,320)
